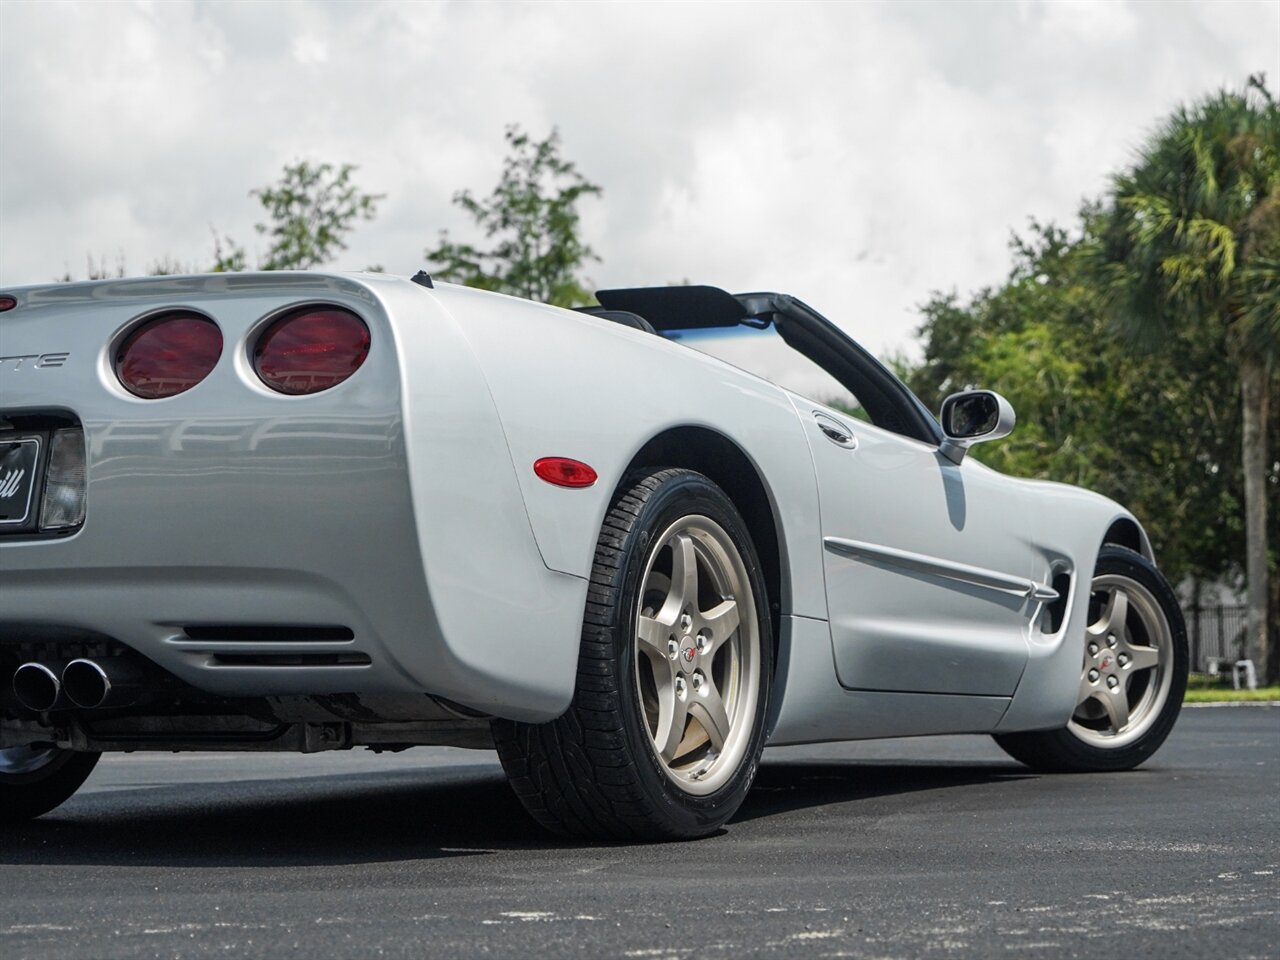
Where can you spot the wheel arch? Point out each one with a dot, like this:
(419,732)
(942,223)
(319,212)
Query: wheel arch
(1125,531)
(726,464)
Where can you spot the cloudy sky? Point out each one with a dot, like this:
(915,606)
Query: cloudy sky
(857,155)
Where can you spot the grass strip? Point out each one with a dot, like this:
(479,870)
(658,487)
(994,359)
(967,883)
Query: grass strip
(1228,695)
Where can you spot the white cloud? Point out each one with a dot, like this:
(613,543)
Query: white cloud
(308,49)
(1092,22)
(856,155)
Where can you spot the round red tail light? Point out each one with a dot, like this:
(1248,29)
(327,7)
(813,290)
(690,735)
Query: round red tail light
(311,350)
(168,354)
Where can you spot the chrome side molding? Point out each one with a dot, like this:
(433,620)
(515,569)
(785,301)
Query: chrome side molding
(920,563)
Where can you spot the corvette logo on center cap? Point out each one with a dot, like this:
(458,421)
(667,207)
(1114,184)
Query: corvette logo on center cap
(688,655)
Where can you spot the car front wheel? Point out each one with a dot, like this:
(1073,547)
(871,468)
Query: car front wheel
(1132,678)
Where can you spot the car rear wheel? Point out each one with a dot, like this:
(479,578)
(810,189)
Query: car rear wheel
(1133,674)
(34,780)
(666,727)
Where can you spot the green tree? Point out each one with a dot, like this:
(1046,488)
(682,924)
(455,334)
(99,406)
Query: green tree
(1145,429)
(1190,239)
(168,266)
(532,218)
(96,269)
(228,256)
(99,270)
(310,210)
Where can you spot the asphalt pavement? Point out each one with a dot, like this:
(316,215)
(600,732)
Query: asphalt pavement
(937,847)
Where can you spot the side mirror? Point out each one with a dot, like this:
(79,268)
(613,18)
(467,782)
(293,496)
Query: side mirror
(974,416)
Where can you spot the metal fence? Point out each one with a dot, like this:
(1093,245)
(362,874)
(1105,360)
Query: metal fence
(1215,630)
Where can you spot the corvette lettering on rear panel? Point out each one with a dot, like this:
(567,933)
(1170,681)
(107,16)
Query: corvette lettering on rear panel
(33,360)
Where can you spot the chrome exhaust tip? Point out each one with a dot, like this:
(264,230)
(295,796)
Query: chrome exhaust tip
(90,685)
(38,686)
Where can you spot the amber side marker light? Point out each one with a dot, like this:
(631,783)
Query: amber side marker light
(564,472)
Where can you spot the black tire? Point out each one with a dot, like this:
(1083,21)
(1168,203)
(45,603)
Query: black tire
(596,772)
(49,782)
(1078,747)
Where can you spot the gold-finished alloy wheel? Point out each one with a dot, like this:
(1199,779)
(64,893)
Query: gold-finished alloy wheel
(1126,675)
(697,654)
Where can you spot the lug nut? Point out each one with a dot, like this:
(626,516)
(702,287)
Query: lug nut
(1112,682)
(673,649)
(686,622)
(697,682)
(1123,658)
(701,641)
(1093,649)
(1093,676)
(1111,640)
(679,686)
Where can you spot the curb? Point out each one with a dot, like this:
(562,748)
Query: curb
(1235,703)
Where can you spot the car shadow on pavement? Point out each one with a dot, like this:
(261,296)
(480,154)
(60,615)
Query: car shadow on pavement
(387,816)
(295,821)
(785,786)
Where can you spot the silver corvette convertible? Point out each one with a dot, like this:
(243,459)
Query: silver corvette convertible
(304,512)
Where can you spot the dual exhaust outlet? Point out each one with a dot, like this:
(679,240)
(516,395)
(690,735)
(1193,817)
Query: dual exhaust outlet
(87,684)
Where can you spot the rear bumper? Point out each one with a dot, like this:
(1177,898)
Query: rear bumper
(254,540)
(251,631)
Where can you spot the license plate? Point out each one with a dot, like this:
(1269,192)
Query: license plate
(19,461)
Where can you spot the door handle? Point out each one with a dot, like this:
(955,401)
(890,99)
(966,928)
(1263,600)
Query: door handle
(835,431)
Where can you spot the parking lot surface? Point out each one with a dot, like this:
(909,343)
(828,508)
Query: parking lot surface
(937,847)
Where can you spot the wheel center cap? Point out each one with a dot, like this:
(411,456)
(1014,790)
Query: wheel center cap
(688,651)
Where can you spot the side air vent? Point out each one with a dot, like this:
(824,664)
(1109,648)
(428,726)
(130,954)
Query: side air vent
(1055,612)
(290,660)
(270,645)
(274,633)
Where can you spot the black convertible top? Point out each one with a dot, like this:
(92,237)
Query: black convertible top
(677,308)
(885,398)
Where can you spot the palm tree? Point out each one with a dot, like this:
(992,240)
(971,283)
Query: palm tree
(1191,235)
